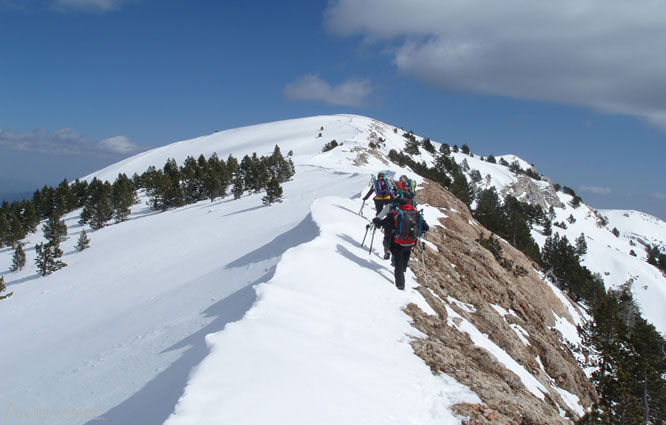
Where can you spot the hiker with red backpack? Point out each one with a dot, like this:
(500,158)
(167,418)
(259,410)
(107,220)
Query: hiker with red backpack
(404,225)
(405,188)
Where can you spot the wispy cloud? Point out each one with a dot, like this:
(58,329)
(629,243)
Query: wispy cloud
(596,190)
(659,195)
(88,5)
(311,87)
(602,54)
(65,142)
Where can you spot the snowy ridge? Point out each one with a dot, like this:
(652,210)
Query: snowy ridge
(326,342)
(120,329)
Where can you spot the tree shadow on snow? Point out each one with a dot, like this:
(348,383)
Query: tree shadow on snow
(245,210)
(23,279)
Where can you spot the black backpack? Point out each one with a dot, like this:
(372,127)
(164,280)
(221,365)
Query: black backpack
(407,226)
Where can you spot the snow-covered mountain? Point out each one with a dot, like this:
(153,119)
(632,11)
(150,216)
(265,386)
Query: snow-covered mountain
(232,311)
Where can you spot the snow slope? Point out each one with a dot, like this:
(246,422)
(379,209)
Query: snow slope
(325,343)
(117,333)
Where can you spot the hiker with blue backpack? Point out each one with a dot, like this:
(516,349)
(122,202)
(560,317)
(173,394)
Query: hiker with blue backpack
(403,225)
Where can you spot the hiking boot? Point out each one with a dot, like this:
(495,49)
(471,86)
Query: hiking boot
(387,255)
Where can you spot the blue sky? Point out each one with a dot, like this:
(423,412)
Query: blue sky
(578,89)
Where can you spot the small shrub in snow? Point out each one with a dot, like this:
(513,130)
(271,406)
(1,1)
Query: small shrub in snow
(3,288)
(18,260)
(83,242)
(330,146)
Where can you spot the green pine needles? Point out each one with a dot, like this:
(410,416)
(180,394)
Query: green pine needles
(83,242)
(3,288)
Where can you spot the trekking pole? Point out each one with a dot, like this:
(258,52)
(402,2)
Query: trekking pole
(425,278)
(372,239)
(367,227)
(361,210)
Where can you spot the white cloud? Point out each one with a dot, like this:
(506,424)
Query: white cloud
(88,5)
(65,142)
(118,144)
(311,87)
(602,54)
(659,195)
(596,190)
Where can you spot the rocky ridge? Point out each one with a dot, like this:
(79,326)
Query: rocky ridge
(465,283)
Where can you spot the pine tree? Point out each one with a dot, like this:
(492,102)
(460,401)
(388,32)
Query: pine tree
(16,231)
(123,196)
(83,242)
(220,169)
(192,181)
(62,196)
(263,176)
(444,149)
(80,190)
(98,210)
(465,149)
(48,204)
(213,187)
(412,146)
(174,196)
(581,245)
(47,260)
(232,165)
(489,210)
(4,230)
(551,213)
(461,189)
(237,188)
(18,260)
(137,182)
(37,200)
(55,230)
(154,182)
(30,220)
(428,146)
(273,192)
(3,288)
(246,172)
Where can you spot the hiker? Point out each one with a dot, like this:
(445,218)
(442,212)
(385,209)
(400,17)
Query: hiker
(404,225)
(382,191)
(406,187)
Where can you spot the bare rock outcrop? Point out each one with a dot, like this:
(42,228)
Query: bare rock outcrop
(529,191)
(465,283)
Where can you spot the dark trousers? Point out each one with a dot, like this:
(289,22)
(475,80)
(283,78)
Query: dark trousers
(379,204)
(400,260)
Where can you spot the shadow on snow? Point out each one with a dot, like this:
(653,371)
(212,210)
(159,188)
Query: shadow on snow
(157,399)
